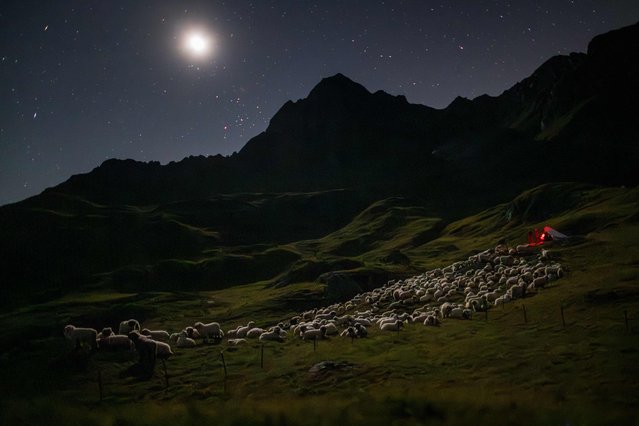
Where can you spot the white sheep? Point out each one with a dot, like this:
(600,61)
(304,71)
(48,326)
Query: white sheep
(106,332)
(241,331)
(313,333)
(236,341)
(158,335)
(273,335)
(128,326)
(209,330)
(254,333)
(432,320)
(184,341)
(391,326)
(115,342)
(163,350)
(81,335)
(360,331)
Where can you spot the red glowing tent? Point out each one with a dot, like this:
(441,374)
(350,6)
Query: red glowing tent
(548,234)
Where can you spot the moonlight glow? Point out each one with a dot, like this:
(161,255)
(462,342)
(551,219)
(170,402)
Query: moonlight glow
(197,44)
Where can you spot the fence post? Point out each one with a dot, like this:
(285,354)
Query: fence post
(223,364)
(166,375)
(563,319)
(525,316)
(262,356)
(625,317)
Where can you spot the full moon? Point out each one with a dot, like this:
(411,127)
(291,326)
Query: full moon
(197,44)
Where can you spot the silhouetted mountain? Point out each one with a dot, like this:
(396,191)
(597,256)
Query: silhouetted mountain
(325,158)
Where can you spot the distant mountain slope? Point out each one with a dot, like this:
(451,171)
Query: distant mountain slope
(310,195)
(573,118)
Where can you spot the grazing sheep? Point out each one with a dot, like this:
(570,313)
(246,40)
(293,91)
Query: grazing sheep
(184,341)
(273,335)
(163,350)
(540,282)
(81,335)
(349,332)
(128,326)
(236,341)
(157,335)
(241,332)
(254,333)
(106,332)
(360,331)
(313,333)
(115,342)
(391,326)
(146,349)
(331,329)
(432,321)
(212,330)
(192,333)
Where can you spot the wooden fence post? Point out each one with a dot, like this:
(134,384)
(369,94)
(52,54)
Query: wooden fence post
(563,319)
(525,316)
(166,375)
(224,364)
(625,317)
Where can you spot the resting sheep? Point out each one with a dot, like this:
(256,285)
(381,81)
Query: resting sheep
(313,333)
(115,342)
(274,335)
(157,335)
(81,335)
(391,326)
(128,326)
(184,341)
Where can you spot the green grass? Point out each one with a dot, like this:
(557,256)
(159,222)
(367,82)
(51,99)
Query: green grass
(499,371)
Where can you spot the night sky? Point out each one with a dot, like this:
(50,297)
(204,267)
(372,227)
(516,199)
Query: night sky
(84,81)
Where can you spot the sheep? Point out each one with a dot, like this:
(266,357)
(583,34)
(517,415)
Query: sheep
(81,335)
(232,333)
(163,350)
(106,332)
(456,313)
(241,332)
(313,333)
(128,326)
(360,331)
(236,341)
(184,341)
(254,333)
(146,348)
(540,282)
(209,330)
(273,335)
(192,333)
(173,338)
(391,326)
(115,342)
(157,335)
(331,329)
(349,332)
(432,320)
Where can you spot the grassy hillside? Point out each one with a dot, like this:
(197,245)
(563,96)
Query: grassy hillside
(499,371)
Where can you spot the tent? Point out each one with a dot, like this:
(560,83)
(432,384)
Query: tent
(536,238)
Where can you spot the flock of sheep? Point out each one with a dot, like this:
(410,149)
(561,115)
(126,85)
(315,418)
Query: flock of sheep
(490,278)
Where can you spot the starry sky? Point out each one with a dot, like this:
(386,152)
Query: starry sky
(86,80)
